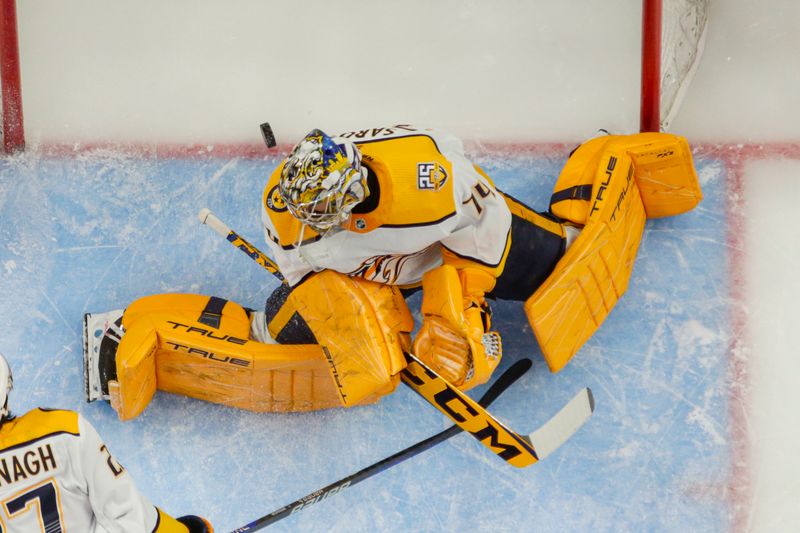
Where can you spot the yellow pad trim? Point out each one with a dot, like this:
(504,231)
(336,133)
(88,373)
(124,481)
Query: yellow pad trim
(280,320)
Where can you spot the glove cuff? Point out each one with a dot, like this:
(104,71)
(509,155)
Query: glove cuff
(196,524)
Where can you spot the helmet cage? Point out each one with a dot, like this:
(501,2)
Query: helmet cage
(328,209)
(322,181)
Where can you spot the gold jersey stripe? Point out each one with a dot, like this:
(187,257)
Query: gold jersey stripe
(36,425)
(523,211)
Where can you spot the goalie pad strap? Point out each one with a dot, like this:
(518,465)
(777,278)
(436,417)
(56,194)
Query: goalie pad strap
(578,192)
(212,314)
(544,223)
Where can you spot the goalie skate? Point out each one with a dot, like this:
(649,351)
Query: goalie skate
(101,335)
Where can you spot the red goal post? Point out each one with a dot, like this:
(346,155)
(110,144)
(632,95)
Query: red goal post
(13,132)
(673,37)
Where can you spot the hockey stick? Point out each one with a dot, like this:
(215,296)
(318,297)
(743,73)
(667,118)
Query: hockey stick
(497,388)
(210,219)
(518,450)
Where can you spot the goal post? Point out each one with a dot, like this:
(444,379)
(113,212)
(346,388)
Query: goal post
(650,113)
(13,132)
(673,37)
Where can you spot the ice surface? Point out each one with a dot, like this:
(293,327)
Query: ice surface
(94,231)
(693,373)
(772,288)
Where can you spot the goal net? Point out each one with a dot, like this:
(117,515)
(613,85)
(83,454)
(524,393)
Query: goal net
(672,43)
(673,37)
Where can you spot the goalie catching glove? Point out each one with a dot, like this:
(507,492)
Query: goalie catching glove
(454,338)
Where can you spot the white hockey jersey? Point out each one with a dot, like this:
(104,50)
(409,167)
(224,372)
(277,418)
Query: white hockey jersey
(56,475)
(428,198)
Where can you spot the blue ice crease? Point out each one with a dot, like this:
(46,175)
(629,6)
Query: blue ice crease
(94,231)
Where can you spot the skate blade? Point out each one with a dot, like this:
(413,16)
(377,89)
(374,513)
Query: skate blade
(101,335)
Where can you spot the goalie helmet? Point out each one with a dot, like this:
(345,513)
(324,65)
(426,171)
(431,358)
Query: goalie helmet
(322,181)
(6,384)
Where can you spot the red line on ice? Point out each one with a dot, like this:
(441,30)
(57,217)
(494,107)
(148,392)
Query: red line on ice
(735,156)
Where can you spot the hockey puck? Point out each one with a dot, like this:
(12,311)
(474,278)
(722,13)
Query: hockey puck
(269,137)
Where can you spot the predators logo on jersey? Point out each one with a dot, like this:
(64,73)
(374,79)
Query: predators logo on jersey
(431,176)
(275,200)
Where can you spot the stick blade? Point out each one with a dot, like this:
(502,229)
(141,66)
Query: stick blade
(210,219)
(564,424)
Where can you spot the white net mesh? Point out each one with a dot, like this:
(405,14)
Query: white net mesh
(684,24)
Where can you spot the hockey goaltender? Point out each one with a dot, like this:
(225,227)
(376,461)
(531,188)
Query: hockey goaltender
(355,223)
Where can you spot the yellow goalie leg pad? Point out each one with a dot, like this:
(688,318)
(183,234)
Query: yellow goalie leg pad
(167,346)
(663,169)
(594,272)
(363,326)
(136,372)
(611,185)
(665,174)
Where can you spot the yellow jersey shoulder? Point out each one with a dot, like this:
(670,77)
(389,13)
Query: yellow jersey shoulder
(415,182)
(37,424)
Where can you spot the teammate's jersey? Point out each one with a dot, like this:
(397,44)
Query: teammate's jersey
(56,476)
(424,195)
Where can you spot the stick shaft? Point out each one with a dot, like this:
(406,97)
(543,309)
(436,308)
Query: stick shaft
(508,377)
(220,228)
